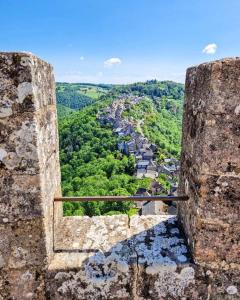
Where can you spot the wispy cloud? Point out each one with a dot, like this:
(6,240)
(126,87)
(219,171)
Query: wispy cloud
(210,49)
(114,61)
(82,57)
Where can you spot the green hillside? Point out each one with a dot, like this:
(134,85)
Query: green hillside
(63,111)
(162,122)
(91,164)
(76,96)
(161,110)
(153,88)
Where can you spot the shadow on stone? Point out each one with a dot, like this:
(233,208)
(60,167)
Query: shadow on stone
(153,262)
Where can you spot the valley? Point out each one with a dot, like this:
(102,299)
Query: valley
(126,141)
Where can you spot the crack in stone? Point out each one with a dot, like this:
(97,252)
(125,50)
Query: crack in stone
(136,276)
(129,221)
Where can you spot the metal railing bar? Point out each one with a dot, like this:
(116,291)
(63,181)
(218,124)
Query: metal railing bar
(122,198)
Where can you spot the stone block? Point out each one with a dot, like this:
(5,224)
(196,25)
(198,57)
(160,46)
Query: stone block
(219,198)
(212,144)
(141,258)
(25,284)
(216,243)
(29,173)
(79,233)
(18,146)
(210,163)
(211,123)
(22,244)
(27,84)
(213,88)
(20,197)
(211,217)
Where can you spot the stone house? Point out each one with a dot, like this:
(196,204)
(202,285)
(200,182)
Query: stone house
(164,169)
(151,174)
(148,155)
(142,164)
(141,192)
(138,157)
(156,187)
(152,208)
(131,146)
(121,146)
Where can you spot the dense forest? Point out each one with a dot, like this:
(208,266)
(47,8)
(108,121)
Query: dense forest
(90,162)
(77,96)
(91,165)
(162,122)
(153,88)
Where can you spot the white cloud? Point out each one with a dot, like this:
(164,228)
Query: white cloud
(210,49)
(114,61)
(82,57)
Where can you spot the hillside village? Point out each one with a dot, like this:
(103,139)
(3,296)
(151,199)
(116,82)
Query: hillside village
(133,142)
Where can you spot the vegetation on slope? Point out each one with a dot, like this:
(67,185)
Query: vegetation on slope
(153,88)
(90,162)
(76,96)
(63,111)
(161,123)
(91,165)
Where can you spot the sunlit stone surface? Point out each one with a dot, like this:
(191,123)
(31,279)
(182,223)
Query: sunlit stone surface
(114,257)
(114,254)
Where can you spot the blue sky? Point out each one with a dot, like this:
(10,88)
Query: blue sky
(121,41)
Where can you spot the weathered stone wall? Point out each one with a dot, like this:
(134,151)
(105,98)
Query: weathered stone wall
(116,257)
(29,173)
(210,165)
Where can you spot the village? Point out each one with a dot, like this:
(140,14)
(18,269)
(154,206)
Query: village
(133,142)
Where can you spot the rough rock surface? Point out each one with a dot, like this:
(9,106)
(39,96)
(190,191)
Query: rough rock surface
(210,166)
(29,173)
(116,257)
(120,258)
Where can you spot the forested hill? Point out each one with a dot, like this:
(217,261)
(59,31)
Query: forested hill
(91,163)
(75,96)
(153,88)
(161,110)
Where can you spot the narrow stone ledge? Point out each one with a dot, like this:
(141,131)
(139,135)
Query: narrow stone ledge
(132,257)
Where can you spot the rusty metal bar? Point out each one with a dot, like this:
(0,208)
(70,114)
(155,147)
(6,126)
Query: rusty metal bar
(121,198)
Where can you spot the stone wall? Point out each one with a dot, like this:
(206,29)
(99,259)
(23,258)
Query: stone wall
(116,257)
(210,165)
(29,173)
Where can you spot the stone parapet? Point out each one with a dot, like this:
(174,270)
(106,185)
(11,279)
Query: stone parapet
(116,257)
(29,173)
(210,163)
(44,255)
